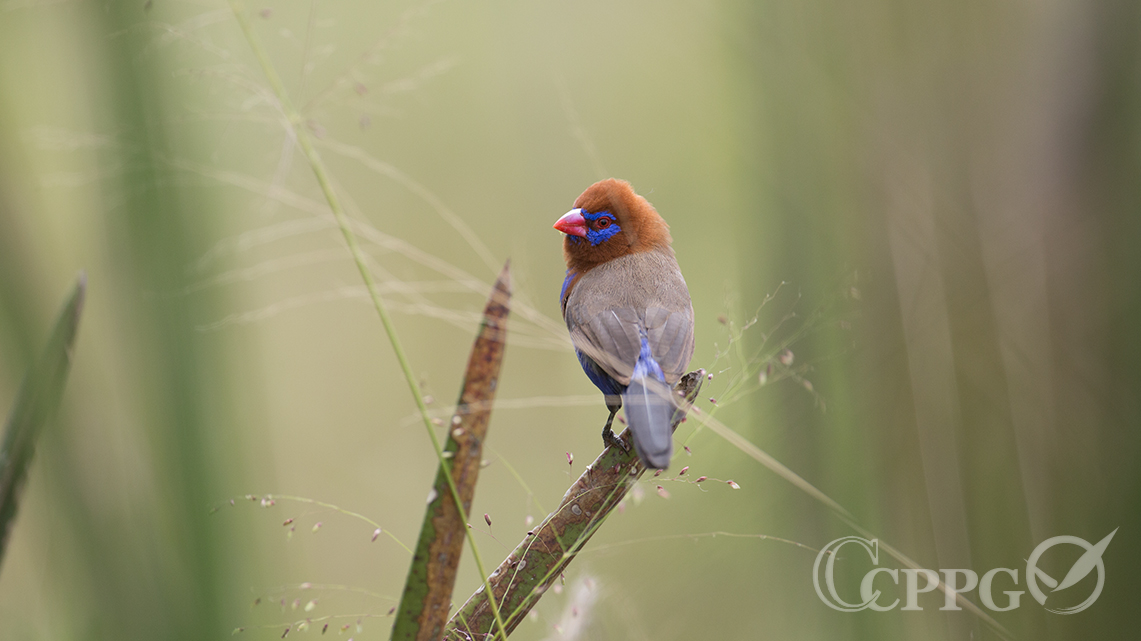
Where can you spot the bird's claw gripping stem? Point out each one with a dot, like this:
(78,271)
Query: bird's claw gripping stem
(608,435)
(610,438)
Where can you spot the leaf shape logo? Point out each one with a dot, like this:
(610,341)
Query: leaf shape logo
(1089,561)
(1085,564)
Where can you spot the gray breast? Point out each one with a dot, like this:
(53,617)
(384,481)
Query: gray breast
(611,302)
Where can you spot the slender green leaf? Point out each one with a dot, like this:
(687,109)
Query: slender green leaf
(35,405)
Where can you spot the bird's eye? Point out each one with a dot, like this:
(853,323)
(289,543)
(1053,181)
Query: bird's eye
(603,223)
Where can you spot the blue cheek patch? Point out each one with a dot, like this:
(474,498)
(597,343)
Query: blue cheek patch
(596,236)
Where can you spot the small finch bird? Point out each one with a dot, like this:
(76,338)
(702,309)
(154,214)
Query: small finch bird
(628,311)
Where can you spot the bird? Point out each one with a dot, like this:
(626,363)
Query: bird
(628,311)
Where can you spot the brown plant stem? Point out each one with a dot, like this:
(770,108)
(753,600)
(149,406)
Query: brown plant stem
(520,581)
(431,580)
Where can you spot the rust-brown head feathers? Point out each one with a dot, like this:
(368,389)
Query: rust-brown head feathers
(610,220)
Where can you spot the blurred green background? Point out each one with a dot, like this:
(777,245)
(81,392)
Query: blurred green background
(957,184)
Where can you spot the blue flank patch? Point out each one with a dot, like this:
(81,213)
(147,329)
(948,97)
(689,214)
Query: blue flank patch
(596,236)
(644,368)
(598,376)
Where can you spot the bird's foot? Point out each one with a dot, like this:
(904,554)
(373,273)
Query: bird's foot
(610,438)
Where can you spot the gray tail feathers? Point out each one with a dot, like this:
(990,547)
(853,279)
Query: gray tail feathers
(649,409)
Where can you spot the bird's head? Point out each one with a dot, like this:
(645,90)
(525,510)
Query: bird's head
(610,220)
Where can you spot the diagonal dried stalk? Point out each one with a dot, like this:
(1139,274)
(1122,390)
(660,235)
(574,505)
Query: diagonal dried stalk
(431,579)
(520,581)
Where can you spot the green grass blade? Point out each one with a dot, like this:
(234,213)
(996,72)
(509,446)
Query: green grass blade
(321,174)
(35,405)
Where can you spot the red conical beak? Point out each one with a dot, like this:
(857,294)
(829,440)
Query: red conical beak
(572,223)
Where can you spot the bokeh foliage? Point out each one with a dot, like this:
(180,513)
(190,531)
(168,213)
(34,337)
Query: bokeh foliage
(957,183)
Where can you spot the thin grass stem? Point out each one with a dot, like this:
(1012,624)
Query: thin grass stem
(323,179)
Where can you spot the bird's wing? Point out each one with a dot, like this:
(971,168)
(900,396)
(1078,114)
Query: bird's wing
(611,339)
(671,339)
(611,305)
